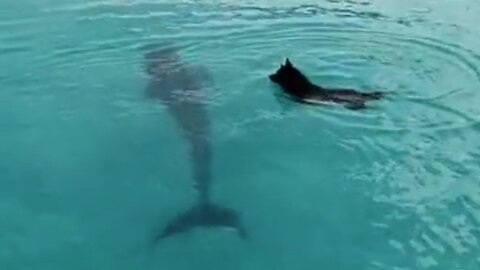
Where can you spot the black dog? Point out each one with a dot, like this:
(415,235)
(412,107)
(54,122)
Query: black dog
(300,89)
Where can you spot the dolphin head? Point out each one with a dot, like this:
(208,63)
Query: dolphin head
(161,60)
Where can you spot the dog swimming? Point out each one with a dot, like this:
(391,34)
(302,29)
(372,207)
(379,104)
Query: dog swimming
(300,89)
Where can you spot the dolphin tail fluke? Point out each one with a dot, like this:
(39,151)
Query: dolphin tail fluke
(203,215)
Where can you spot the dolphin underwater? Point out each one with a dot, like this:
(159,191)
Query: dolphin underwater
(178,86)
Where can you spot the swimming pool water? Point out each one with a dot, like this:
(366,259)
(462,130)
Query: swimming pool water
(91,170)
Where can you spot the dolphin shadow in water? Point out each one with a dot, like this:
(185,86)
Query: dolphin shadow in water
(299,88)
(178,86)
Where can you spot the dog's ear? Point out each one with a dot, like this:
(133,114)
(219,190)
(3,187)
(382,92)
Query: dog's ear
(287,63)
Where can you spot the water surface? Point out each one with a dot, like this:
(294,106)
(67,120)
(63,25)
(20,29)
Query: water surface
(91,170)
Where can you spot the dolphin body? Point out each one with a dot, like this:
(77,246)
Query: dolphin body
(178,86)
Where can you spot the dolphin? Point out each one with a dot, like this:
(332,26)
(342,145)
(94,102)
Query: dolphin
(178,86)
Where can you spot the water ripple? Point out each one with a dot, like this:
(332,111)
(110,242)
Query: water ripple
(431,82)
(428,76)
(416,152)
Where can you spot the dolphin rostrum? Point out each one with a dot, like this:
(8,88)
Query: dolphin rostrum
(178,86)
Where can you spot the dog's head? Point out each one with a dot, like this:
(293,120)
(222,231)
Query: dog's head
(282,73)
(289,77)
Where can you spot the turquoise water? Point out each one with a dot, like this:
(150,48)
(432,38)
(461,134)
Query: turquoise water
(91,170)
